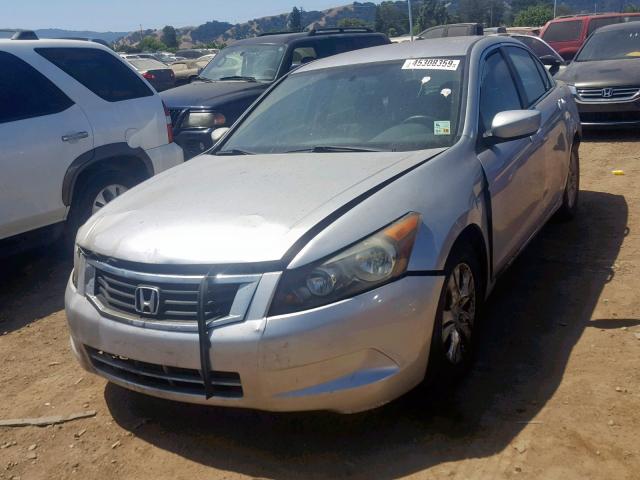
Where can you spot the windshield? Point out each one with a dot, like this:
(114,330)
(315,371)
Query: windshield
(259,62)
(394,106)
(611,45)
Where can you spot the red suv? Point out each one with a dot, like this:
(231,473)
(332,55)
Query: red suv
(567,34)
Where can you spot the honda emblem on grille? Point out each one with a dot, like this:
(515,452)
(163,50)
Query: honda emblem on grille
(147,300)
(607,92)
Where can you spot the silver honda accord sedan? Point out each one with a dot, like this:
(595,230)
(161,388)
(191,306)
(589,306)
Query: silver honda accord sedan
(334,249)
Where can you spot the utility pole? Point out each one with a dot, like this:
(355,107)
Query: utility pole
(141,34)
(410,20)
(555,7)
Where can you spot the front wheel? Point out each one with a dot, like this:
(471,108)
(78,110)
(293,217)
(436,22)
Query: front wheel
(571,192)
(452,343)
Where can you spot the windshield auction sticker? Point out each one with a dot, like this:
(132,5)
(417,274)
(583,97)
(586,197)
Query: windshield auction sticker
(430,64)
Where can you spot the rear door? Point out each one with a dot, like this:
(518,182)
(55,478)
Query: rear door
(539,94)
(514,169)
(41,132)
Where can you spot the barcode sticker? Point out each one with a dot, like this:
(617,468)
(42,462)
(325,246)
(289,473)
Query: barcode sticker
(430,64)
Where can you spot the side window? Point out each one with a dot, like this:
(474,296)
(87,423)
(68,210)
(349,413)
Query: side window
(565,31)
(303,55)
(26,93)
(529,74)
(596,23)
(434,33)
(99,71)
(459,31)
(498,91)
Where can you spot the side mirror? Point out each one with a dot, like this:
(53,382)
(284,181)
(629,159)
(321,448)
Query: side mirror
(218,133)
(513,124)
(551,61)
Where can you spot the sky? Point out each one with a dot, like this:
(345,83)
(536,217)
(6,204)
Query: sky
(127,15)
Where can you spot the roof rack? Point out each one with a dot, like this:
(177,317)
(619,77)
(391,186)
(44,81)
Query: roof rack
(329,30)
(282,32)
(21,34)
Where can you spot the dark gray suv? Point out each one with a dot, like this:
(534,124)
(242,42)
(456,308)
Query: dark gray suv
(241,72)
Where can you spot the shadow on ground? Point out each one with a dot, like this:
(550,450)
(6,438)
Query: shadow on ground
(535,316)
(32,285)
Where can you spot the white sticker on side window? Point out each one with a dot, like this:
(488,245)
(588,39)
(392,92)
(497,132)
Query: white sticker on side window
(430,64)
(442,127)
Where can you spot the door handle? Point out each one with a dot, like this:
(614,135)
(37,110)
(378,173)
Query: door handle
(74,136)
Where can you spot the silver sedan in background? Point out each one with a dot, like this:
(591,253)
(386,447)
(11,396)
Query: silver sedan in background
(335,247)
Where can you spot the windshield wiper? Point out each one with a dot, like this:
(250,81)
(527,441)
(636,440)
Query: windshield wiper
(203,79)
(239,77)
(234,151)
(330,149)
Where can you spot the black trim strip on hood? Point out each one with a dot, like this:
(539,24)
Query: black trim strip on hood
(310,234)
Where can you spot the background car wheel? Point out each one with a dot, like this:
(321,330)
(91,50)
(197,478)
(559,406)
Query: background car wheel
(97,191)
(571,193)
(459,307)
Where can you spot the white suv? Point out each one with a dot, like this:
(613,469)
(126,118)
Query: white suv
(78,127)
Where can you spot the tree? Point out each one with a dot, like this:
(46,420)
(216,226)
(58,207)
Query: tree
(432,13)
(391,20)
(151,44)
(534,16)
(169,37)
(352,22)
(295,20)
(630,8)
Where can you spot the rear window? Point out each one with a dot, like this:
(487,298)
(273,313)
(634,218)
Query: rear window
(433,33)
(99,71)
(147,64)
(538,47)
(563,31)
(596,23)
(460,31)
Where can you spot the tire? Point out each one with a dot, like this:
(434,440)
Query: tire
(571,194)
(448,364)
(107,185)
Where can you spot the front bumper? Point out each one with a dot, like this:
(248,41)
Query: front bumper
(194,141)
(609,114)
(346,357)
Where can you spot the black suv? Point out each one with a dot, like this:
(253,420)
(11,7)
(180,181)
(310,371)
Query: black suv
(241,72)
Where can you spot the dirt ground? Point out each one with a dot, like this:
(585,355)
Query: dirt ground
(555,393)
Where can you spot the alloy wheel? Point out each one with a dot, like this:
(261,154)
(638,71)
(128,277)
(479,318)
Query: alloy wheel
(459,314)
(106,195)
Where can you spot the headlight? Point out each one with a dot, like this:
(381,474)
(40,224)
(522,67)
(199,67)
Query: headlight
(370,263)
(203,120)
(79,267)
(573,90)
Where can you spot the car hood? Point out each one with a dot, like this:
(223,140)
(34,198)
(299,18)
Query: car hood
(204,93)
(252,208)
(603,73)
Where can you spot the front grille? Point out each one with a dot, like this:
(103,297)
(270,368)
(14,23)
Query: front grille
(175,114)
(174,379)
(178,301)
(613,93)
(609,117)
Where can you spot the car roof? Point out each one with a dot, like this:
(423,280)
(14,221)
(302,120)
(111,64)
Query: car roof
(288,37)
(582,16)
(436,47)
(618,26)
(18,45)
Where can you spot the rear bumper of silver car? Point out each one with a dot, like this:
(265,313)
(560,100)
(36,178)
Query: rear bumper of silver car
(349,356)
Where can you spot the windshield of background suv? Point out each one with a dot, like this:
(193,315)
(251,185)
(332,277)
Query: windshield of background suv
(259,62)
(392,106)
(611,45)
